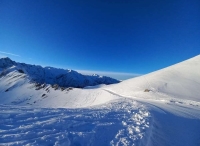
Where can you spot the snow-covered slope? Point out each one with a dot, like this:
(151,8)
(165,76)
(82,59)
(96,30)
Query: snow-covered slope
(17,89)
(50,75)
(160,108)
(172,96)
(180,81)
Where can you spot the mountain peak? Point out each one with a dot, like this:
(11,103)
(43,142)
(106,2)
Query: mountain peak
(6,62)
(5,58)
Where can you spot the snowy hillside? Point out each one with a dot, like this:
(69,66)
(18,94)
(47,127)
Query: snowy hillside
(180,81)
(172,96)
(158,109)
(50,75)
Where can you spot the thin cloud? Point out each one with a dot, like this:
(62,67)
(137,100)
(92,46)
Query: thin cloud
(105,72)
(117,75)
(7,53)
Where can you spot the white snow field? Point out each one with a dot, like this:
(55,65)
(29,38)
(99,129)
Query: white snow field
(158,109)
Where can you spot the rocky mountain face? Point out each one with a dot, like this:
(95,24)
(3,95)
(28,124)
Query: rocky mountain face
(53,76)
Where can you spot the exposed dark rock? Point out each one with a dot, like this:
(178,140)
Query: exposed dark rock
(21,71)
(147,90)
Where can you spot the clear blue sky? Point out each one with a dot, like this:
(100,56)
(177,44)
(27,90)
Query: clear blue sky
(121,36)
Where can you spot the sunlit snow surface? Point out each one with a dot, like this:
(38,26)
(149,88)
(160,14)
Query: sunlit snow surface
(122,122)
(123,114)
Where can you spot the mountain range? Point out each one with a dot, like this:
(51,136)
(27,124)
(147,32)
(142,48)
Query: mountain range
(50,75)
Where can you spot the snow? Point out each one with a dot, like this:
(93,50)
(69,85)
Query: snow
(160,108)
(110,124)
(180,81)
(15,88)
(50,75)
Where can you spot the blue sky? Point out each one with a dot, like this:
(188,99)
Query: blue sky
(111,37)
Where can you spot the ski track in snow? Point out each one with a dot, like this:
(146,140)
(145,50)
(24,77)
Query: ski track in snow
(120,122)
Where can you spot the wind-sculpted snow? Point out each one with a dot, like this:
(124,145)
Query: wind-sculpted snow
(121,122)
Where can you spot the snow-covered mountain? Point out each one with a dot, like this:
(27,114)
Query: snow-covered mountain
(50,75)
(160,108)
